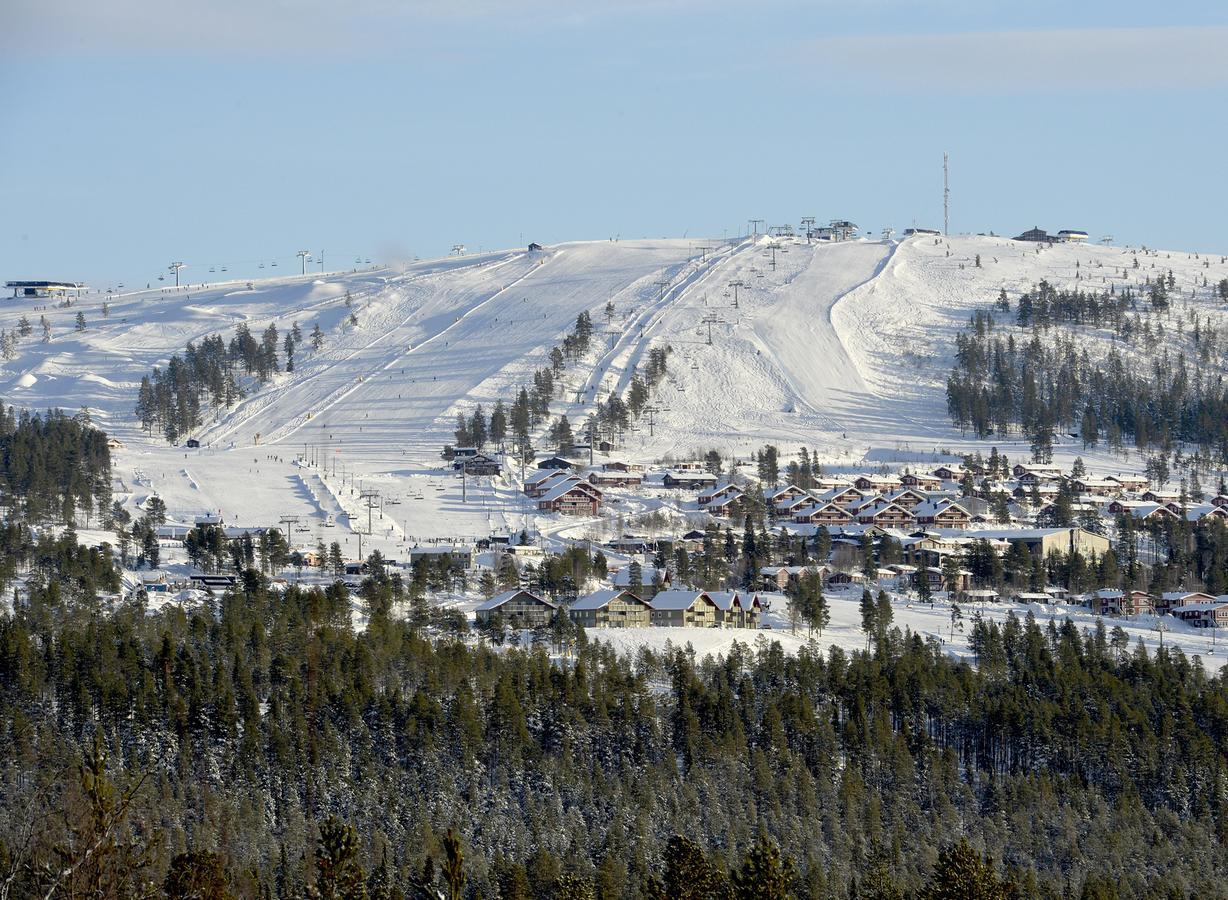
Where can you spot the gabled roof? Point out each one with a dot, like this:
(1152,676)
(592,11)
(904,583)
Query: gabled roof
(567,487)
(678,599)
(724,600)
(601,599)
(499,599)
(1202,606)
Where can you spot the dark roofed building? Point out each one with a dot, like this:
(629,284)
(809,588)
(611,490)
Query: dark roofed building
(1035,235)
(44,288)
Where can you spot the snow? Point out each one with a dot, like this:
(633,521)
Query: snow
(843,348)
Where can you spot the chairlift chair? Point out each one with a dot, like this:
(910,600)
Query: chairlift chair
(223,268)
(211,269)
(273,263)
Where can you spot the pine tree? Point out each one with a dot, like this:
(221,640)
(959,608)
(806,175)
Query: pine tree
(868,614)
(763,874)
(962,874)
(689,875)
(317,337)
(453,867)
(80,321)
(338,873)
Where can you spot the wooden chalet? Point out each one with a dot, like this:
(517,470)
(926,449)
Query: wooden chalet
(1171,599)
(620,466)
(684,608)
(943,514)
(606,478)
(1211,613)
(825,514)
(907,497)
(889,516)
(519,609)
(544,482)
(877,483)
(688,481)
(611,609)
(1113,602)
(921,481)
(558,462)
(571,499)
(478,464)
(1097,487)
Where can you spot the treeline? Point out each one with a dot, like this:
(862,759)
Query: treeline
(52,465)
(214,374)
(515,421)
(233,728)
(999,385)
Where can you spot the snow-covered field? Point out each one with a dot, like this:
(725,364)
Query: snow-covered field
(841,347)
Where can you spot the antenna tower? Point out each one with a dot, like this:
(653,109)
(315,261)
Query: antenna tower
(946,194)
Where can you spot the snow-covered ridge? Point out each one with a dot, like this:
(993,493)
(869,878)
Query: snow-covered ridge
(843,348)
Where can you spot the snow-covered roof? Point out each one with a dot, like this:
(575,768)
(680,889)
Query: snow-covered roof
(600,599)
(499,599)
(678,599)
(560,490)
(1202,606)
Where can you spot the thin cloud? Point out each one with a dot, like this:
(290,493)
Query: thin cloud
(1026,61)
(195,27)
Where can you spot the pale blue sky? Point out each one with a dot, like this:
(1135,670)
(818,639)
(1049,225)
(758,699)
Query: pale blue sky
(230,132)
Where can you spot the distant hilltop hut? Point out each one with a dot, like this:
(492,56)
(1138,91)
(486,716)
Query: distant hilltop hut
(909,232)
(836,230)
(44,288)
(1071,235)
(1036,236)
(1065,236)
(535,246)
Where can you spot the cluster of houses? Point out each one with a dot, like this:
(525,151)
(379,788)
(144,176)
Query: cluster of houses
(620,608)
(935,500)
(565,487)
(1195,608)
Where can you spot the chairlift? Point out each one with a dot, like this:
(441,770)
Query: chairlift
(368,262)
(223,268)
(273,263)
(211,269)
(261,266)
(162,278)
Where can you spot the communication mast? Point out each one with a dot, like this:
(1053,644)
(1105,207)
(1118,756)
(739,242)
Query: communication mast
(946,194)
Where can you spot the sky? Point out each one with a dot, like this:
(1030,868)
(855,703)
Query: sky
(236,132)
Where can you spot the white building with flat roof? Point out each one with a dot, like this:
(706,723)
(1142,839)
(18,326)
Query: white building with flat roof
(44,288)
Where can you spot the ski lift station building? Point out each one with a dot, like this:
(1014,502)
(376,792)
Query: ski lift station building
(44,288)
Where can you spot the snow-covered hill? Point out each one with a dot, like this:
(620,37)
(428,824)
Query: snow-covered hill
(843,348)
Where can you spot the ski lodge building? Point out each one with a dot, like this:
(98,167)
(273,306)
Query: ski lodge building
(44,288)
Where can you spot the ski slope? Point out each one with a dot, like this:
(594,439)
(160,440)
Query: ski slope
(843,348)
